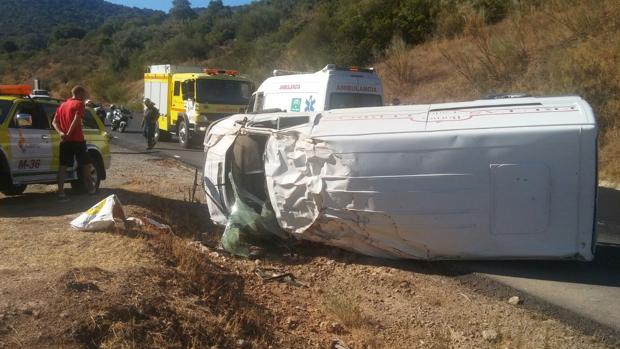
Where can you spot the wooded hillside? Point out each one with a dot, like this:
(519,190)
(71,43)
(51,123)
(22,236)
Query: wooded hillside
(426,50)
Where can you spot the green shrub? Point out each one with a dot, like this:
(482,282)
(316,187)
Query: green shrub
(493,11)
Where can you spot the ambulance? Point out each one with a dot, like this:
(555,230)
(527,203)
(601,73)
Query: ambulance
(190,98)
(333,87)
(29,146)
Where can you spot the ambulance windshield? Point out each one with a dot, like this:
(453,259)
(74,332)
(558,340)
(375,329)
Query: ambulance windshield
(5,106)
(223,91)
(341,100)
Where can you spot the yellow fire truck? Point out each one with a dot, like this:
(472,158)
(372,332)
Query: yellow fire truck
(190,98)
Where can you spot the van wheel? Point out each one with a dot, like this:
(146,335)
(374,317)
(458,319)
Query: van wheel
(183,133)
(96,172)
(14,190)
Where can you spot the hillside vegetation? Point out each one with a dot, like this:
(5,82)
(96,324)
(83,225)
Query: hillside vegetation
(425,50)
(557,47)
(256,38)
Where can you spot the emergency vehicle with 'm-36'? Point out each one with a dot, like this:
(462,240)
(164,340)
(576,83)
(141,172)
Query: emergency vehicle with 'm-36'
(30,147)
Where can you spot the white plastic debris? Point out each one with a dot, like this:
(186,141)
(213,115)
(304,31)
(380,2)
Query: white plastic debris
(158,225)
(101,216)
(135,221)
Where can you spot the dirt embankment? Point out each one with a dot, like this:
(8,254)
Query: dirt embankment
(143,288)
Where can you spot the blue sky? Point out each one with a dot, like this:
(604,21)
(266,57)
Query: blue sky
(164,5)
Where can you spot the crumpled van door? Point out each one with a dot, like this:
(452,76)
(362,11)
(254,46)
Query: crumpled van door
(218,141)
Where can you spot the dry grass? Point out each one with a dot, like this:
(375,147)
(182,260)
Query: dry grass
(560,47)
(399,65)
(221,289)
(52,249)
(346,309)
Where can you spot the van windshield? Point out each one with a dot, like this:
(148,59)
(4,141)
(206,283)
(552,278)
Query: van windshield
(223,91)
(339,100)
(5,106)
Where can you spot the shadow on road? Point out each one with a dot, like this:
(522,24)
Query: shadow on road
(602,271)
(130,152)
(187,217)
(130,131)
(190,150)
(608,208)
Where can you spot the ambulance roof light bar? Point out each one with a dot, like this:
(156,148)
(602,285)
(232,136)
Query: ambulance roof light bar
(348,68)
(281,72)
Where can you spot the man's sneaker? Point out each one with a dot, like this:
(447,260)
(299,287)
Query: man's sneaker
(62,196)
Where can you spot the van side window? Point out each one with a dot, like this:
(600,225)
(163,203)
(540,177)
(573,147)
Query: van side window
(39,118)
(177,88)
(291,121)
(340,100)
(260,101)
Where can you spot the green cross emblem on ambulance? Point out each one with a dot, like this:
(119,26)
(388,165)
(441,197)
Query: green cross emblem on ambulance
(296,104)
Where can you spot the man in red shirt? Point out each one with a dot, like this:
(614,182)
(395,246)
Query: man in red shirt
(68,124)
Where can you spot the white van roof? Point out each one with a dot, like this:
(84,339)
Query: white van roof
(330,69)
(479,114)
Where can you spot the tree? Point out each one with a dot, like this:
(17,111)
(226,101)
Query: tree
(68,32)
(215,6)
(182,10)
(9,46)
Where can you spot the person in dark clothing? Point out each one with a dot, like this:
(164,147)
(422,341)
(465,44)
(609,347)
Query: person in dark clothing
(151,114)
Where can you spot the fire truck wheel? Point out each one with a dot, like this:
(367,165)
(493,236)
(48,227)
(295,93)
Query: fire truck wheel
(183,133)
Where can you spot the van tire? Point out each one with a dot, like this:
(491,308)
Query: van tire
(183,133)
(15,189)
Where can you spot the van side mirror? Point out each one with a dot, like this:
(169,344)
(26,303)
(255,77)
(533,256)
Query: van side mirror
(23,120)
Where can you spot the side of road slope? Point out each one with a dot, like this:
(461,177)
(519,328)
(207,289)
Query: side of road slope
(145,288)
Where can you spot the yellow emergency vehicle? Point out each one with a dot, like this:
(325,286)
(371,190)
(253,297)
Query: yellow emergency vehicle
(190,98)
(29,146)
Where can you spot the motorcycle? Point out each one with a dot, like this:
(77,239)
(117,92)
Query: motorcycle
(100,111)
(120,118)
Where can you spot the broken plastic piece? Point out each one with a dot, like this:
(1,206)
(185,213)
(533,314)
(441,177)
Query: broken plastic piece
(246,227)
(270,275)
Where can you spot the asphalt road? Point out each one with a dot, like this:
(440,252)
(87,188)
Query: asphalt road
(589,290)
(133,139)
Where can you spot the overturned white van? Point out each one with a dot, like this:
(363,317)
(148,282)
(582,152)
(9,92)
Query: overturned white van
(509,178)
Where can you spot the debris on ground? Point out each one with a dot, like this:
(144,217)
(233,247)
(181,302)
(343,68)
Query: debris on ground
(515,300)
(339,344)
(155,224)
(490,335)
(101,216)
(270,275)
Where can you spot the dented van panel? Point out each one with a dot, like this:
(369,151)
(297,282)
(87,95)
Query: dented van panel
(501,179)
